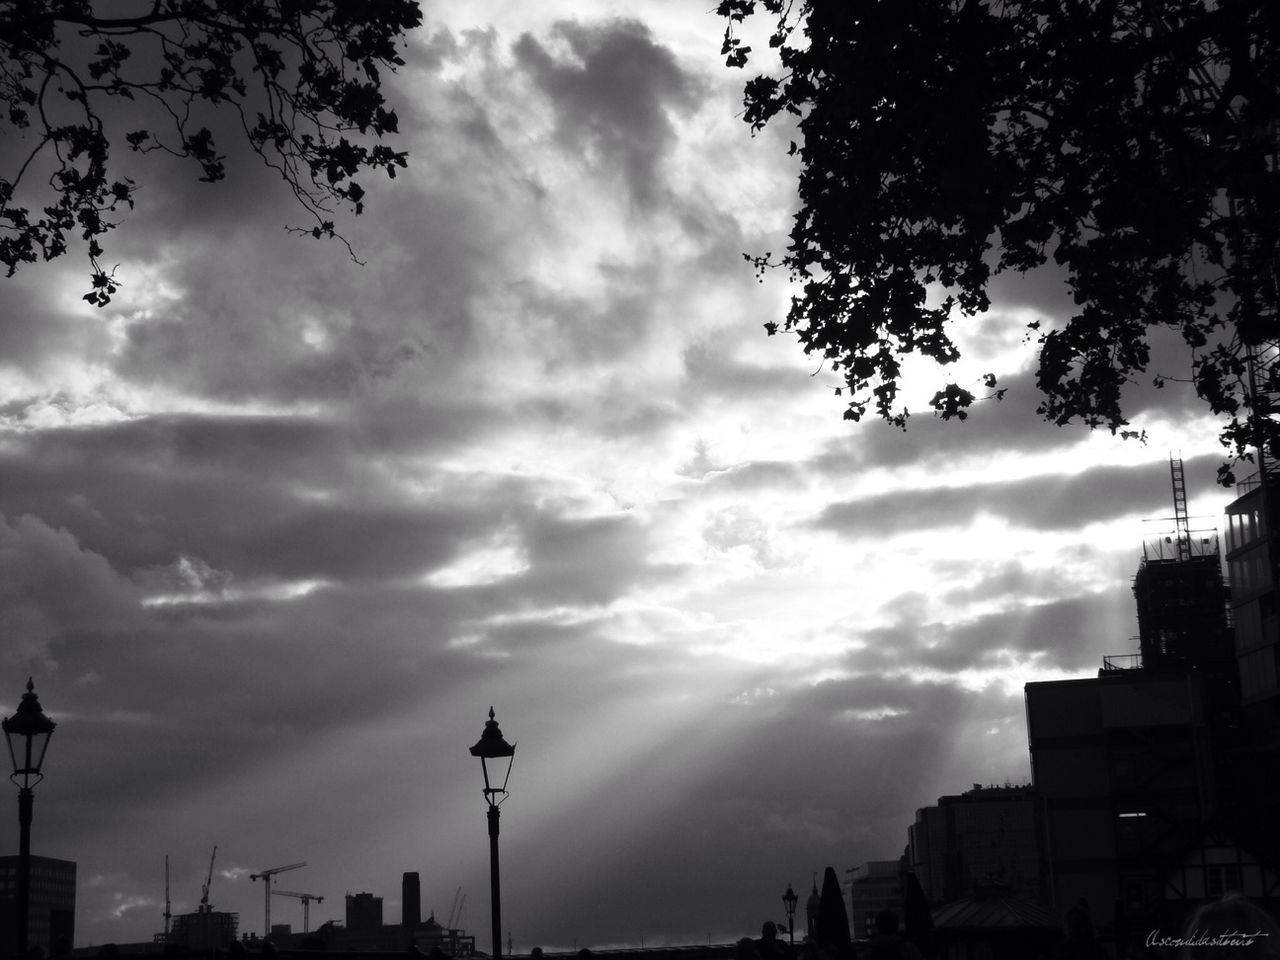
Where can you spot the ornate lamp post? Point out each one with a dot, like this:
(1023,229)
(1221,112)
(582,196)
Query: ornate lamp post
(496,757)
(27,733)
(789,900)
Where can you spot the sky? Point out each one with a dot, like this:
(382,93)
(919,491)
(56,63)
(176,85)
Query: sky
(277,529)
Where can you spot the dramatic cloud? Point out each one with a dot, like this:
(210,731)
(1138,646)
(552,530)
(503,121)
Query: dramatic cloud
(277,528)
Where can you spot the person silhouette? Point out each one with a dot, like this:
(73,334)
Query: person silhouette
(768,946)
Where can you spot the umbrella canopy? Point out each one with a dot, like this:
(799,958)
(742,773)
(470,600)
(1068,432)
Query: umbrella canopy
(917,919)
(833,918)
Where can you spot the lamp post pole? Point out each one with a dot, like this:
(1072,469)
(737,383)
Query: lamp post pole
(495,885)
(27,734)
(25,803)
(493,749)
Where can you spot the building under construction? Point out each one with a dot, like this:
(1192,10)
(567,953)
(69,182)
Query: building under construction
(1181,595)
(1139,771)
(204,930)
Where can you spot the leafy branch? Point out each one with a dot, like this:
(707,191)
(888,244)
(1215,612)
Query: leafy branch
(1132,143)
(302,77)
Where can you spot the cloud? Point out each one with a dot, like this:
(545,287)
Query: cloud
(1040,503)
(612,86)
(50,587)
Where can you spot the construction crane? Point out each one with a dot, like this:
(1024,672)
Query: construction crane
(454,909)
(208,882)
(265,876)
(1182,524)
(306,899)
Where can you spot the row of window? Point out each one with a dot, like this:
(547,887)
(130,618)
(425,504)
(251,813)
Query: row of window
(1243,527)
(1250,573)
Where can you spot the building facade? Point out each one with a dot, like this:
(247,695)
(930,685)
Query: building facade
(1123,769)
(204,930)
(1253,543)
(51,915)
(364,913)
(873,886)
(986,835)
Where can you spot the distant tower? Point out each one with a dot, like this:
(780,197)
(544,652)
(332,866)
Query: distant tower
(811,909)
(411,905)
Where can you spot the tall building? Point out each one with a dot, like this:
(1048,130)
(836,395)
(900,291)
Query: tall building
(1250,542)
(1253,560)
(987,835)
(364,913)
(1134,766)
(1123,767)
(1253,547)
(51,913)
(410,904)
(1184,625)
(874,886)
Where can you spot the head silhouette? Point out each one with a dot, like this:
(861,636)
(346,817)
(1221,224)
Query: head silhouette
(886,922)
(1259,934)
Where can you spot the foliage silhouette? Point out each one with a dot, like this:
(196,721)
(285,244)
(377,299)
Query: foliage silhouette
(301,77)
(1131,142)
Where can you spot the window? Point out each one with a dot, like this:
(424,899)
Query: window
(1221,878)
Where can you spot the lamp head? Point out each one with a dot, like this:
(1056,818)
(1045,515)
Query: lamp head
(492,748)
(27,733)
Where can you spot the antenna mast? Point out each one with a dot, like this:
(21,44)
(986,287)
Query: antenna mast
(167,913)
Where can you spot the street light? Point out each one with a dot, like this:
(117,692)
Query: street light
(491,748)
(27,733)
(789,902)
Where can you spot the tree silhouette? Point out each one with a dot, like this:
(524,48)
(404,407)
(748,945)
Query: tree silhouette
(301,77)
(1131,142)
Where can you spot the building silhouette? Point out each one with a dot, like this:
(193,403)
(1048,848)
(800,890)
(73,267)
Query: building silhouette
(986,835)
(365,931)
(873,886)
(1147,777)
(51,913)
(364,913)
(1122,767)
(410,905)
(1253,546)
(204,930)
